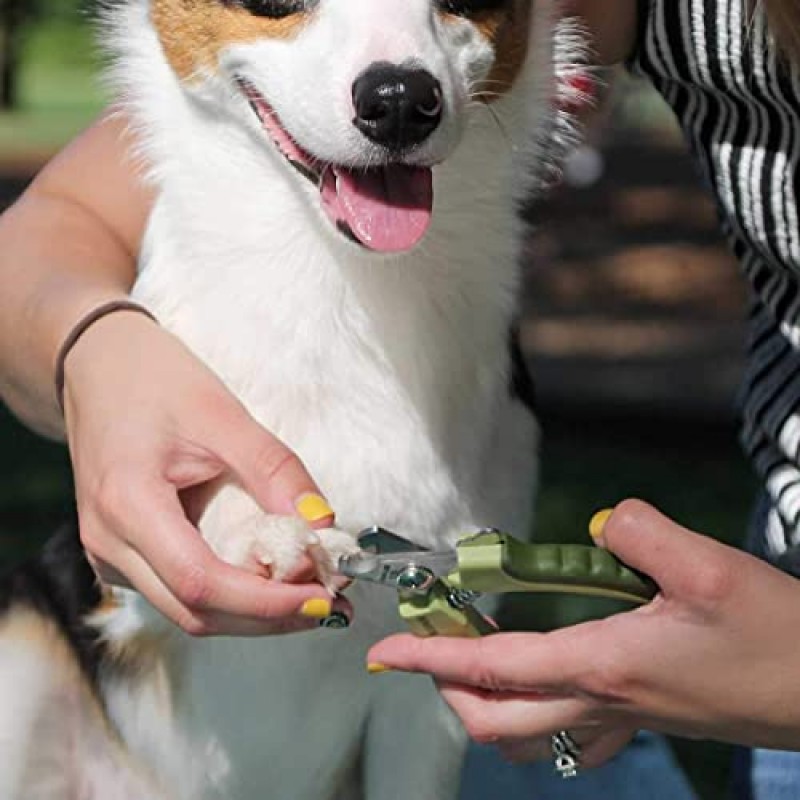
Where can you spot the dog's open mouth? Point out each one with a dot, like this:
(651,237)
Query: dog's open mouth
(386,208)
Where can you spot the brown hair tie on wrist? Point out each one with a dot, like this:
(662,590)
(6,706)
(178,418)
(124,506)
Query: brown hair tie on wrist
(81,327)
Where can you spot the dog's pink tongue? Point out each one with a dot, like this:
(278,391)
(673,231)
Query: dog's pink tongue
(387,209)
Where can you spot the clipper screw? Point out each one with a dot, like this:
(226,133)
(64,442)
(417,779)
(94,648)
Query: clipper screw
(415,579)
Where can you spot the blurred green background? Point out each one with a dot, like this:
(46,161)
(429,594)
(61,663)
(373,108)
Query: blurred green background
(632,322)
(49,68)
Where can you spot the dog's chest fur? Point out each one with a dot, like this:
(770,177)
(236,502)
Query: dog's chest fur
(393,369)
(391,381)
(384,373)
(388,375)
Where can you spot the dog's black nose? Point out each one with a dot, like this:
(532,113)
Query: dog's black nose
(397,107)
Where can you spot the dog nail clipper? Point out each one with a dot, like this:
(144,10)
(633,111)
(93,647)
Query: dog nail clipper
(437,589)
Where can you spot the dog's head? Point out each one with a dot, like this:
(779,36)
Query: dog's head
(361,97)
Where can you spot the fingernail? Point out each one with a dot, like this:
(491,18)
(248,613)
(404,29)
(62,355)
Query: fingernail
(316,608)
(313,507)
(375,668)
(336,621)
(598,522)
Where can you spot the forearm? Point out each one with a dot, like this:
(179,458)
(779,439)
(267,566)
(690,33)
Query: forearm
(66,246)
(56,263)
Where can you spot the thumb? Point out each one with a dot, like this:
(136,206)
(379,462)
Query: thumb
(648,541)
(271,473)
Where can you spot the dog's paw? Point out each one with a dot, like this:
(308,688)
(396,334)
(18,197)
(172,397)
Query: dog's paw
(267,545)
(274,546)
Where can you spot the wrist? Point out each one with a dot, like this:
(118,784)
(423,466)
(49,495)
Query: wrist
(44,320)
(62,308)
(96,317)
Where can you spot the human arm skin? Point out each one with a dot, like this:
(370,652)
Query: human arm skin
(713,656)
(85,212)
(146,421)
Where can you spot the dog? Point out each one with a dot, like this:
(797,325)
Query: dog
(335,234)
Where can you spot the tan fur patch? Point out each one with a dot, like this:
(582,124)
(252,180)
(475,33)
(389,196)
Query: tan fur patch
(71,704)
(142,654)
(508,30)
(108,602)
(37,633)
(193,32)
(27,630)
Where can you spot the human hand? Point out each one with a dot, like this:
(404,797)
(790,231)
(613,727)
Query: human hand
(712,656)
(149,426)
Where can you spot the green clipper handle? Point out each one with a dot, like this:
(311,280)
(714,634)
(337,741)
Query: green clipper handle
(434,614)
(497,562)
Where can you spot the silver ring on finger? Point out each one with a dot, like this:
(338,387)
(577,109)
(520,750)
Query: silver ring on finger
(566,754)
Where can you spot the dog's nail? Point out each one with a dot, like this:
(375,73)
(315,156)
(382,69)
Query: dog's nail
(313,507)
(336,620)
(375,668)
(316,608)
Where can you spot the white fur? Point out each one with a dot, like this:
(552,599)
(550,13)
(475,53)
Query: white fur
(54,738)
(387,374)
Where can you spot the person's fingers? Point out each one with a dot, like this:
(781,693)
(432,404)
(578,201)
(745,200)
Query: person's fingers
(183,561)
(138,575)
(491,716)
(208,623)
(215,624)
(684,564)
(501,662)
(228,625)
(270,472)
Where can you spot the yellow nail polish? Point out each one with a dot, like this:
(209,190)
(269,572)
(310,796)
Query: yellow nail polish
(375,668)
(316,608)
(313,508)
(598,522)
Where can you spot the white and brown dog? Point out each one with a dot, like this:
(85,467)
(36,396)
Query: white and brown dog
(335,233)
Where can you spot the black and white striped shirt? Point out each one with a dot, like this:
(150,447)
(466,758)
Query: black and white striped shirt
(739,106)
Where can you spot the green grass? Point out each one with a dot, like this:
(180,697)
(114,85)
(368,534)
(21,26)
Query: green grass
(60,93)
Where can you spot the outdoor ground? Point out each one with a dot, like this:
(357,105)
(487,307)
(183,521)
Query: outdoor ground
(632,325)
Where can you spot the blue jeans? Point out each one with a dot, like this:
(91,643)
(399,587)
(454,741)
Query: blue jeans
(645,770)
(766,775)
